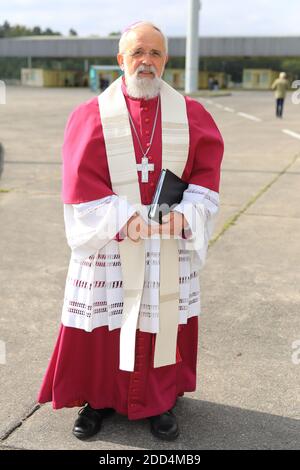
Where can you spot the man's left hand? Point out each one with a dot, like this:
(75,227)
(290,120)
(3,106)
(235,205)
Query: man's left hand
(173,224)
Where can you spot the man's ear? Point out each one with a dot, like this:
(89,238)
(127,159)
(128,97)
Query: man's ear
(120,61)
(167,58)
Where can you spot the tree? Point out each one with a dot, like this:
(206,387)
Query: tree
(291,66)
(4,29)
(8,31)
(36,31)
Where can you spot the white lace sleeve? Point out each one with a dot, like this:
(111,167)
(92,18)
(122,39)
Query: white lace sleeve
(91,225)
(200,207)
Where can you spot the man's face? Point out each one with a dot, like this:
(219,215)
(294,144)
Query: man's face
(144,47)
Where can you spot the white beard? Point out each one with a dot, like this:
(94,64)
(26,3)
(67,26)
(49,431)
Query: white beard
(146,88)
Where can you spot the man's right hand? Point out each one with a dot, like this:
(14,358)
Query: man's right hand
(137,228)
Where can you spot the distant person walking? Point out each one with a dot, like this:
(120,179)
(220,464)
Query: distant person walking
(280,85)
(215,84)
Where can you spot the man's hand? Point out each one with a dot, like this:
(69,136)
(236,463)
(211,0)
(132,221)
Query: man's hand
(173,224)
(137,228)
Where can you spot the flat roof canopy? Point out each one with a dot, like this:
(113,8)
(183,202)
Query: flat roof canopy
(58,46)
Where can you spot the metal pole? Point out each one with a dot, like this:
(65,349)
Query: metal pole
(86,65)
(192,52)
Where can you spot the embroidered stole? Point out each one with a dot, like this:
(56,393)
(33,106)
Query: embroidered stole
(124,179)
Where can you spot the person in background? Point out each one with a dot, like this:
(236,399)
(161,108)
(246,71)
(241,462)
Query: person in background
(280,85)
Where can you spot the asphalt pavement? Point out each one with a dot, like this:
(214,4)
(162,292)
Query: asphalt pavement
(249,331)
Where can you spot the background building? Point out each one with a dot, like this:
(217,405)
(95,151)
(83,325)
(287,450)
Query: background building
(222,59)
(53,78)
(258,79)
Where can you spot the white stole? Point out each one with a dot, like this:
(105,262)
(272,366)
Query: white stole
(124,178)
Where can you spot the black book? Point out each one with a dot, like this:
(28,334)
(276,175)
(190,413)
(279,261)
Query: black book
(168,193)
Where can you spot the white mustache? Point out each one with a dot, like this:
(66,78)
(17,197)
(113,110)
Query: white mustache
(145,68)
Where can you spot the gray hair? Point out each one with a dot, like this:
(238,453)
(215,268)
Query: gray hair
(137,25)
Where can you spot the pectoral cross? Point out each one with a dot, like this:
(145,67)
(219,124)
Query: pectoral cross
(145,167)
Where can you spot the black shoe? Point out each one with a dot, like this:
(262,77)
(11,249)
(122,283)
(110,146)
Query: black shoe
(89,421)
(164,426)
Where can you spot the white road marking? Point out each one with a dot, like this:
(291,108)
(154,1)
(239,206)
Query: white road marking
(291,133)
(249,116)
(231,110)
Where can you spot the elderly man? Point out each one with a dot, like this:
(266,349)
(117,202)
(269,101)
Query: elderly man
(128,337)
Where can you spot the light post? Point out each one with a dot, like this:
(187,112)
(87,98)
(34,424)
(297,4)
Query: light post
(192,50)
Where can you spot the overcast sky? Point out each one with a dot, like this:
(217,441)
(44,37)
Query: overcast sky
(217,17)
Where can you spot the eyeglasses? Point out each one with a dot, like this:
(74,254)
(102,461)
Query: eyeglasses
(154,54)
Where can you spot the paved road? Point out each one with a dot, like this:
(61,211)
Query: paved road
(248,371)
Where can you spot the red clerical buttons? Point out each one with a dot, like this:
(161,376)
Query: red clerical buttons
(151,184)
(148,144)
(147,132)
(147,120)
(146,108)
